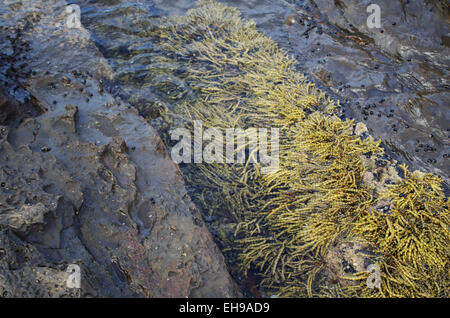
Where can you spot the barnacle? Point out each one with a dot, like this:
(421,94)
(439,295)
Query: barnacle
(287,223)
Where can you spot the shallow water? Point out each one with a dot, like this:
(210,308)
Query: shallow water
(394,79)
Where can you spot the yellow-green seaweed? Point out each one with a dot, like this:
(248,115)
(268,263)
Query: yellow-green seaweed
(287,223)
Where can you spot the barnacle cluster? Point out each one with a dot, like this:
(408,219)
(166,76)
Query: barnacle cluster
(334,192)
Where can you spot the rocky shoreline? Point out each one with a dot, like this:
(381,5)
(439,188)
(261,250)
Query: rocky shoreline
(85,180)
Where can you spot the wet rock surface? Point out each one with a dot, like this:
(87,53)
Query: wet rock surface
(85,180)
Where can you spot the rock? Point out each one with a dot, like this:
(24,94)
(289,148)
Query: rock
(28,215)
(106,196)
(360,129)
(348,258)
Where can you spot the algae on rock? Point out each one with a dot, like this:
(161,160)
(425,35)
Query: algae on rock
(329,189)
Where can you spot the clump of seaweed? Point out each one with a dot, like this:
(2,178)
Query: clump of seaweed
(413,237)
(290,224)
(318,209)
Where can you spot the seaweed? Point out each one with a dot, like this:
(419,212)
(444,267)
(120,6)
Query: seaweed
(289,224)
(413,236)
